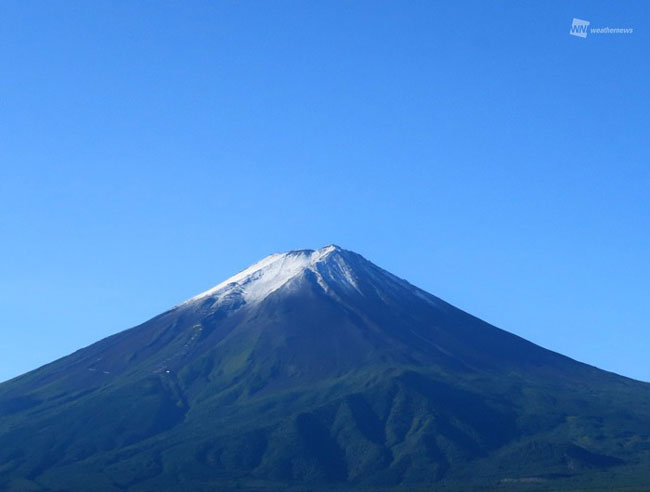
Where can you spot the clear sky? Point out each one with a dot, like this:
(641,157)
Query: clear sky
(149,150)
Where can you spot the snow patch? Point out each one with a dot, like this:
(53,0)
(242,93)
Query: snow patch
(256,282)
(332,267)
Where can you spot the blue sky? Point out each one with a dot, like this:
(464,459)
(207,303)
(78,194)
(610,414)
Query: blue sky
(149,150)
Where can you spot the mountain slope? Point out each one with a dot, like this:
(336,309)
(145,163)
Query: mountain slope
(319,369)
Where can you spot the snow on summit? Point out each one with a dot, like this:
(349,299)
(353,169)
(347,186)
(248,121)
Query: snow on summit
(259,280)
(333,267)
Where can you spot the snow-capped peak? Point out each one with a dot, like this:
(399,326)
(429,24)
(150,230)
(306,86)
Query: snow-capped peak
(269,274)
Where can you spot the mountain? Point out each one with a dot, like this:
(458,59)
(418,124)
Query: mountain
(317,370)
